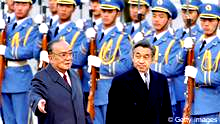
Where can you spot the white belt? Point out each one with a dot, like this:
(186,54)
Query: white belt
(105,77)
(16,63)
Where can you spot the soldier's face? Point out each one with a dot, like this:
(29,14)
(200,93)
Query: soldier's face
(134,12)
(65,11)
(22,9)
(209,26)
(109,17)
(193,15)
(52,4)
(10,5)
(95,6)
(142,58)
(61,56)
(160,21)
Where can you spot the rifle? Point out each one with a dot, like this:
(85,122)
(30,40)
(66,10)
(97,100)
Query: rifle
(190,81)
(91,106)
(43,64)
(2,58)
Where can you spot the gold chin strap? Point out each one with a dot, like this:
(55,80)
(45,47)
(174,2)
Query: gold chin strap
(105,49)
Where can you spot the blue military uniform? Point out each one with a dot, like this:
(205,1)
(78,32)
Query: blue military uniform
(70,33)
(180,35)
(114,51)
(20,40)
(206,103)
(166,49)
(145,27)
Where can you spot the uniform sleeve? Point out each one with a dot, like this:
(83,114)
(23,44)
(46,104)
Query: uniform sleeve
(123,62)
(80,51)
(25,48)
(208,78)
(166,111)
(175,64)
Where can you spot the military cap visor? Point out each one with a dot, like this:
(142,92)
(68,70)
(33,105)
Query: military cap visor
(25,1)
(135,2)
(161,9)
(191,7)
(107,6)
(66,2)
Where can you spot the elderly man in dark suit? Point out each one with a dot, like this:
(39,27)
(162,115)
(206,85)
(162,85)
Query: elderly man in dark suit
(139,96)
(56,95)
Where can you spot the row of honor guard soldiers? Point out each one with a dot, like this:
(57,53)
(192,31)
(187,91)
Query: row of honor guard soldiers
(114,41)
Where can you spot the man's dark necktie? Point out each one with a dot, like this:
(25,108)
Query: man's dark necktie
(14,25)
(51,22)
(155,39)
(183,34)
(93,24)
(132,30)
(65,78)
(56,31)
(203,45)
(101,37)
(9,19)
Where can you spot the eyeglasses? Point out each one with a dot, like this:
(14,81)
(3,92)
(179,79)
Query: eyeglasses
(64,54)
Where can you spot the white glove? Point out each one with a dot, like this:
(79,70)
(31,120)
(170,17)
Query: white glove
(188,43)
(120,26)
(138,37)
(43,58)
(94,61)
(79,24)
(2,49)
(190,71)
(38,19)
(43,28)
(2,24)
(90,33)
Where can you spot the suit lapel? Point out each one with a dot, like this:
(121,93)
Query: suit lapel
(138,85)
(57,78)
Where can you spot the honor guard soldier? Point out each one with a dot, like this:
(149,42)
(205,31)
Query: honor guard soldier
(20,39)
(10,13)
(95,20)
(163,12)
(206,105)
(65,29)
(189,11)
(52,20)
(139,27)
(113,55)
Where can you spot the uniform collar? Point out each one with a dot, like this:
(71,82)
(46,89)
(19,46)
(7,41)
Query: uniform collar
(98,21)
(187,29)
(55,18)
(106,31)
(209,39)
(21,21)
(158,36)
(62,26)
